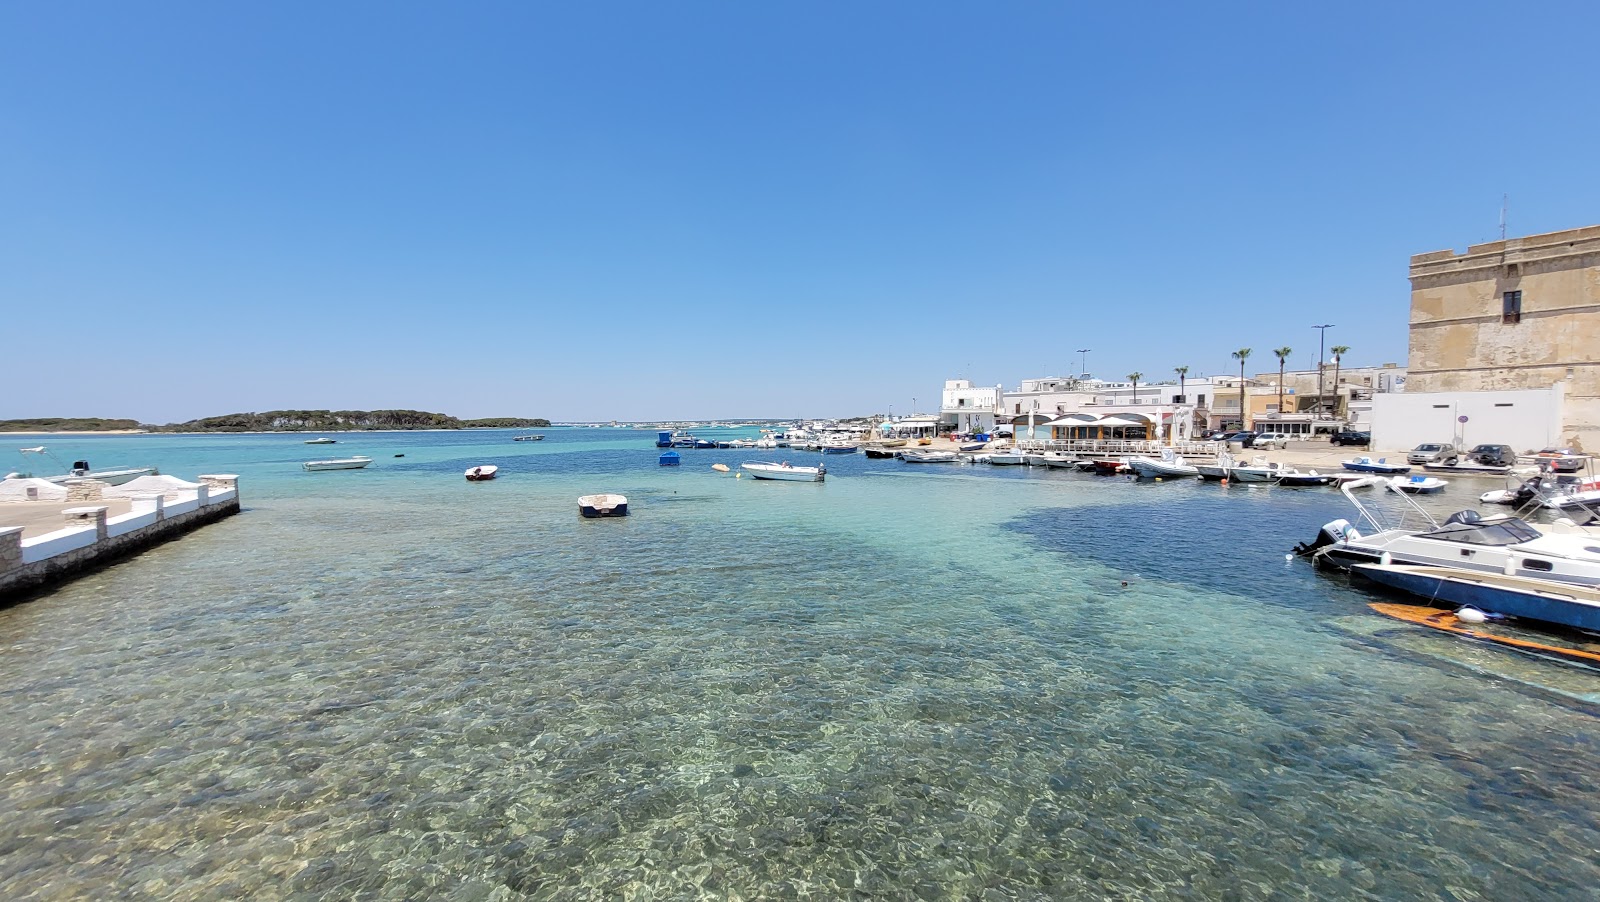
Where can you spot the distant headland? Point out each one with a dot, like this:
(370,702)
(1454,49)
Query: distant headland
(279,421)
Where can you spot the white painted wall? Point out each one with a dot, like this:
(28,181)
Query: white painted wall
(1526,420)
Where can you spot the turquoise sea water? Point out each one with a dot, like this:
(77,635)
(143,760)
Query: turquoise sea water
(906,682)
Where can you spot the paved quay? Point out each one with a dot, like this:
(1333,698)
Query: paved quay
(39,517)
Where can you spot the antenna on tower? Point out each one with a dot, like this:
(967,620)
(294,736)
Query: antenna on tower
(1505,200)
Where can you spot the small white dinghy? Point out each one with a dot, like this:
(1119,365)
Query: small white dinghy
(603,505)
(1419,485)
(483,473)
(341,463)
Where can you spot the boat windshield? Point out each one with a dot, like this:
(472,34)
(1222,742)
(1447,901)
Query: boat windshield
(1500,532)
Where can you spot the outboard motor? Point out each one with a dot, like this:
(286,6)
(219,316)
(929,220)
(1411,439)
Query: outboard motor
(80,468)
(1331,534)
(1467,517)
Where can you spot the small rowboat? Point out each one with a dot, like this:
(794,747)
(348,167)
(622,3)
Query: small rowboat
(483,473)
(343,463)
(603,506)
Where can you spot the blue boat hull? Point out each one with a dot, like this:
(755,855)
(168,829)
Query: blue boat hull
(1384,469)
(1527,605)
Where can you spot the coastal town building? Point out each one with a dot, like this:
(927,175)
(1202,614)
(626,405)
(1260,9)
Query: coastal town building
(964,407)
(1509,317)
(1160,409)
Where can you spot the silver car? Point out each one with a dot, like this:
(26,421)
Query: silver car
(1430,453)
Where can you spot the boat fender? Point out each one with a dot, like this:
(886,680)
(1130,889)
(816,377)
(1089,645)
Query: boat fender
(1471,615)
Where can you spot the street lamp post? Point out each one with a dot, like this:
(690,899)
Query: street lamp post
(1083,364)
(1322,338)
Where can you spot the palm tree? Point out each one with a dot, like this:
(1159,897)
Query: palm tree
(1134,378)
(1241,355)
(1283,356)
(1182,372)
(1338,352)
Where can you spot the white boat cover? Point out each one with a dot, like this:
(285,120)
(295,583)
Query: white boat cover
(44,490)
(168,486)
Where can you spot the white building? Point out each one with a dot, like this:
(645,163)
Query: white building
(1525,419)
(965,407)
(1168,408)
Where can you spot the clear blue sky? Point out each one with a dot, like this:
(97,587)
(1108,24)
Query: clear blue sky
(615,210)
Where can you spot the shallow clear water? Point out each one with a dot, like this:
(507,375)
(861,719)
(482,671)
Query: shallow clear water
(906,681)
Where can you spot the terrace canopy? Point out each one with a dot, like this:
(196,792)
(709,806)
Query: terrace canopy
(1130,426)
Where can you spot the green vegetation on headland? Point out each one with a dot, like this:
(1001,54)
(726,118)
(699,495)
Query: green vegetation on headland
(67,424)
(341,421)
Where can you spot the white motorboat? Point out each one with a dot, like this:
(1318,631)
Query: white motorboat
(1220,469)
(784,471)
(1168,466)
(321,441)
(1406,534)
(80,469)
(341,463)
(1419,485)
(528,438)
(482,474)
(930,457)
(1259,470)
(1006,457)
(1292,478)
(605,505)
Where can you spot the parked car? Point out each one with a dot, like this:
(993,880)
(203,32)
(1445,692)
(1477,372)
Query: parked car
(1268,440)
(1430,453)
(1242,439)
(1493,455)
(1351,437)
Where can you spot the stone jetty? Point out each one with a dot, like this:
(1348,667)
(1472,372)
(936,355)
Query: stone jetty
(92,536)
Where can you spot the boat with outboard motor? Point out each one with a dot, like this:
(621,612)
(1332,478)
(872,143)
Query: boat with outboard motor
(784,472)
(1406,534)
(1220,469)
(80,469)
(603,505)
(1168,466)
(1289,477)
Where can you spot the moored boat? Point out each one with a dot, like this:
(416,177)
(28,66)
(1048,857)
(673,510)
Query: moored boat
(784,471)
(1368,465)
(930,457)
(1292,478)
(1528,598)
(1168,466)
(321,441)
(1108,467)
(671,459)
(342,463)
(881,453)
(603,505)
(482,474)
(1419,485)
(1465,541)
(528,438)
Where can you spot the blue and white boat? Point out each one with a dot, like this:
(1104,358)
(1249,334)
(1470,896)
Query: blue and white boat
(1524,597)
(671,459)
(839,449)
(1368,465)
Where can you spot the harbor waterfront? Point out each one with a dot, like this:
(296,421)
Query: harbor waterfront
(904,681)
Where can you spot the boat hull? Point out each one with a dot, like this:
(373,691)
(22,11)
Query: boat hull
(349,463)
(109,477)
(596,507)
(1528,599)
(782,473)
(482,474)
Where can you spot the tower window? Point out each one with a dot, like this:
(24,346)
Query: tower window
(1511,307)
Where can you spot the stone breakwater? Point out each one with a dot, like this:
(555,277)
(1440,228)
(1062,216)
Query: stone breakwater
(92,539)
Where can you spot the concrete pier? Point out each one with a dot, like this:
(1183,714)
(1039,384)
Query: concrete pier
(92,535)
